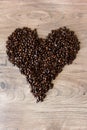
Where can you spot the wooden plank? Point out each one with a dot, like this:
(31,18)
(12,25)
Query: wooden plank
(65,107)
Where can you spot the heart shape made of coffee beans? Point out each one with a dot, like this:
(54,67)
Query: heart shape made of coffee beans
(41,60)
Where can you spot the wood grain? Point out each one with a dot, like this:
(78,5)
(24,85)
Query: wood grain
(65,107)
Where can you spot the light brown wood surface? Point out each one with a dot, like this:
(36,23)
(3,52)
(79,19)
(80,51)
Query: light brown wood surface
(65,107)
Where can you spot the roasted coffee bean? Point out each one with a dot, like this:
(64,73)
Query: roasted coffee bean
(41,60)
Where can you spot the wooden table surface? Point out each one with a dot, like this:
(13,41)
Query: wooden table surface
(65,107)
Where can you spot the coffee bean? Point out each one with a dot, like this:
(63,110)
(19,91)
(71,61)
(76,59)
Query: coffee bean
(41,60)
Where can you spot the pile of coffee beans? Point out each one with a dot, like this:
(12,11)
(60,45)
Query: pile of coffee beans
(41,60)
